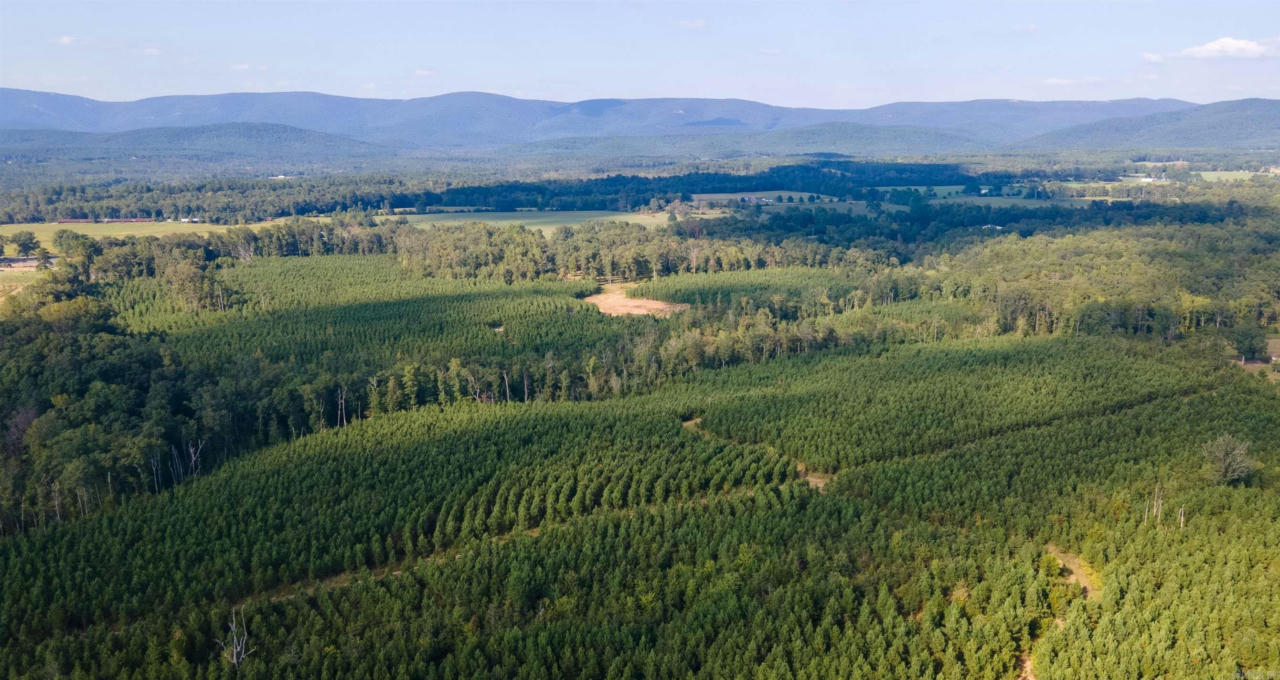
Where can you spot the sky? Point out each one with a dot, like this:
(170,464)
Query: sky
(831,54)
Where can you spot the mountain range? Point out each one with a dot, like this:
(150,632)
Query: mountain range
(476,119)
(42,126)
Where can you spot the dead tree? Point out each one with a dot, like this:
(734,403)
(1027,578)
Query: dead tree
(1157,505)
(155,470)
(193,457)
(235,649)
(57,501)
(1228,461)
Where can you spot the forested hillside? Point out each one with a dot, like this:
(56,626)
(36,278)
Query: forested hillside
(916,422)
(504,562)
(1244,124)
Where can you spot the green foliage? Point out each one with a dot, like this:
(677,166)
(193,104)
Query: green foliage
(1250,341)
(507,559)
(929,398)
(24,242)
(1228,461)
(389,452)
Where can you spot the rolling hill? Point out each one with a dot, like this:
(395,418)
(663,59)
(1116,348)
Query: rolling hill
(1241,124)
(169,153)
(853,139)
(47,137)
(251,140)
(477,120)
(1004,120)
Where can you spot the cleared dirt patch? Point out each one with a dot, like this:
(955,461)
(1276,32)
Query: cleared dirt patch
(613,301)
(817,480)
(1078,571)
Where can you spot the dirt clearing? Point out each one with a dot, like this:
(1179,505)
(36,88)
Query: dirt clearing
(613,301)
(1078,571)
(817,480)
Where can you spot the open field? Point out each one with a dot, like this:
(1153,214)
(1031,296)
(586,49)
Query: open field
(14,278)
(1004,201)
(1227,175)
(941,190)
(773,195)
(851,207)
(44,231)
(544,220)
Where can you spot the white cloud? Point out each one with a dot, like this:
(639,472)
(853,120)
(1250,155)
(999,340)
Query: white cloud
(771,51)
(369,87)
(151,51)
(1152,57)
(1026,28)
(1230,48)
(424,73)
(240,67)
(65,40)
(692,24)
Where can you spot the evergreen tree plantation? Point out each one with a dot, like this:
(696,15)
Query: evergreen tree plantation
(894,431)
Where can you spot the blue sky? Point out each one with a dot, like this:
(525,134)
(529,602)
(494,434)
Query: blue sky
(823,54)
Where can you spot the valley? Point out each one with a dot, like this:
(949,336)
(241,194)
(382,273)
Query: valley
(626,340)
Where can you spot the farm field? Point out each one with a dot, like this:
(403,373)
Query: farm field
(847,207)
(1003,201)
(45,231)
(544,220)
(1227,175)
(940,190)
(13,279)
(771,195)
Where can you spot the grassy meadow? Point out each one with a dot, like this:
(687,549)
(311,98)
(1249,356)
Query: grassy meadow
(44,231)
(544,220)
(13,280)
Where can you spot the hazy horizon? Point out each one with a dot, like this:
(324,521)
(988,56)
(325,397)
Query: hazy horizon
(575,101)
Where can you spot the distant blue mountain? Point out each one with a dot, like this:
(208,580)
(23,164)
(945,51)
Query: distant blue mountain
(250,140)
(848,139)
(1242,124)
(474,120)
